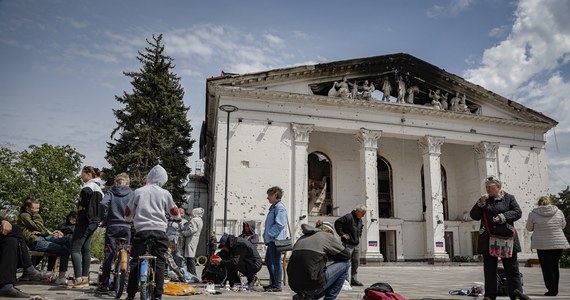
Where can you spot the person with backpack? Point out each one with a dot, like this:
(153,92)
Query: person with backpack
(115,201)
(311,273)
(148,210)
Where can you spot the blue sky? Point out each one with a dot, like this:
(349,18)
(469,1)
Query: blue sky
(62,62)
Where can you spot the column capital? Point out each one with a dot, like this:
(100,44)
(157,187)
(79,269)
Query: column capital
(301,132)
(486,150)
(430,144)
(368,138)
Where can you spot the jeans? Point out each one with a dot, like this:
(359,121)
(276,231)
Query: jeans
(274,265)
(81,249)
(335,275)
(57,246)
(111,235)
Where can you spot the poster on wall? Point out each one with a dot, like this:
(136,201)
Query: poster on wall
(372,243)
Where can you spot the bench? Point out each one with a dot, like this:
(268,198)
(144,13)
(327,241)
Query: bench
(43,262)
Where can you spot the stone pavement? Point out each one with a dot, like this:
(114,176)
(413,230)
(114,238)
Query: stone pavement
(412,280)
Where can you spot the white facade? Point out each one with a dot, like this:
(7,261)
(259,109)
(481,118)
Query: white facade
(283,117)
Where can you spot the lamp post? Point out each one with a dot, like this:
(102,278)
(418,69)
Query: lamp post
(229,109)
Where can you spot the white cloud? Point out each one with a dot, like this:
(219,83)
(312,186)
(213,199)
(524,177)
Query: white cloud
(527,67)
(453,8)
(499,32)
(274,40)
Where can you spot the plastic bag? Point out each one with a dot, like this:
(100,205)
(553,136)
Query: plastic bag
(178,289)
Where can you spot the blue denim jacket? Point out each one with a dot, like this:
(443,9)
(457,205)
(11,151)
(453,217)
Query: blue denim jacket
(275,223)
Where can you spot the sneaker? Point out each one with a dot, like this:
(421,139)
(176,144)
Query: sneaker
(267,286)
(519,295)
(356,283)
(273,290)
(36,276)
(77,283)
(13,292)
(60,281)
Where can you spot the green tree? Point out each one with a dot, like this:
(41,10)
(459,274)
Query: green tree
(47,173)
(152,128)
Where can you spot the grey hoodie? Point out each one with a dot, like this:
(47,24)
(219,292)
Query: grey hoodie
(547,222)
(151,203)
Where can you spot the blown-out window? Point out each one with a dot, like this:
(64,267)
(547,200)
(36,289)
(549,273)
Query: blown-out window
(320,184)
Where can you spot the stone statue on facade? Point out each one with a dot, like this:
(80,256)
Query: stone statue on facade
(342,91)
(443,101)
(435,96)
(411,93)
(463,105)
(386,89)
(454,104)
(401,90)
(367,90)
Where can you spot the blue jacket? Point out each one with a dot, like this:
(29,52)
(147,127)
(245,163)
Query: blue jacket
(116,201)
(275,223)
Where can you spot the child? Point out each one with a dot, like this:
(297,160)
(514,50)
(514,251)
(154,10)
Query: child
(147,210)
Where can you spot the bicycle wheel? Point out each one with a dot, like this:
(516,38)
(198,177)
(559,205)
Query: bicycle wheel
(147,291)
(119,277)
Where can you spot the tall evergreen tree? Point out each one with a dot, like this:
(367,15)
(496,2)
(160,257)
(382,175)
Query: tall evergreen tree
(152,127)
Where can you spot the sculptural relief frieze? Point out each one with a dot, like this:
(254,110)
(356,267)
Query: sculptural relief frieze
(397,87)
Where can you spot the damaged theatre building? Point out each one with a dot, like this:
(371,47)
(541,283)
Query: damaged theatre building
(409,140)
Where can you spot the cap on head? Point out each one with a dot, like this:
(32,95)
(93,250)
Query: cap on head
(328,226)
(224,240)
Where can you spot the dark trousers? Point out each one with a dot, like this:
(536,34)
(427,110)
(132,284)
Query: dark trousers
(81,249)
(159,242)
(511,266)
(13,254)
(111,235)
(549,260)
(354,261)
(191,265)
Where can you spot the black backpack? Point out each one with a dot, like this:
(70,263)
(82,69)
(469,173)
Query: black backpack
(502,287)
(214,273)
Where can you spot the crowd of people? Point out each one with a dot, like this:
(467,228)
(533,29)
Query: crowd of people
(321,259)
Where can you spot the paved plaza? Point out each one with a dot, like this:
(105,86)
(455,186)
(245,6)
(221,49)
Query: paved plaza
(412,280)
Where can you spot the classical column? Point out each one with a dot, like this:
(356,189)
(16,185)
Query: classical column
(430,148)
(370,242)
(486,156)
(299,188)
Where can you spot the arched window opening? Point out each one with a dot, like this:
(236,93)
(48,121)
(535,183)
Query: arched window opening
(443,193)
(385,203)
(320,185)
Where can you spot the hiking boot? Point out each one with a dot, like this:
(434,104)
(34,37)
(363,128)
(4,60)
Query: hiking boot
(356,283)
(13,292)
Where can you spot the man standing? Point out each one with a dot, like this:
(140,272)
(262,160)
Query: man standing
(349,227)
(309,275)
(275,225)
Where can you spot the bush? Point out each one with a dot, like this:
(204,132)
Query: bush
(461,259)
(98,244)
(565,260)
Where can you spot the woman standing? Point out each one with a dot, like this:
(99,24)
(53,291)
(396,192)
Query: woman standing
(88,218)
(501,211)
(547,222)
(191,236)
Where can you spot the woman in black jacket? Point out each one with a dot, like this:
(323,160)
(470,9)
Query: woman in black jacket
(501,210)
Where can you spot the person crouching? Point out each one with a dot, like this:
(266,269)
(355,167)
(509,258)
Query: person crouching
(311,273)
(238,255)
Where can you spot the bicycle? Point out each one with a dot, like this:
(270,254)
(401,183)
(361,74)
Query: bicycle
(120,267)
(147,270)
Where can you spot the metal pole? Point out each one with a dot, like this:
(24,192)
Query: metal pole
(226,181)
(228,109)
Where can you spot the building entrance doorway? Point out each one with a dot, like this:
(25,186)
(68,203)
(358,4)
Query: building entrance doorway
(449,244)
(388,245)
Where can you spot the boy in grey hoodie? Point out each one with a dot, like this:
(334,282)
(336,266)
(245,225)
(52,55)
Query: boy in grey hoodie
(147,210)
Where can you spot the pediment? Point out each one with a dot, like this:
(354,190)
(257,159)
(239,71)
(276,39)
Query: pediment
(395,79)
